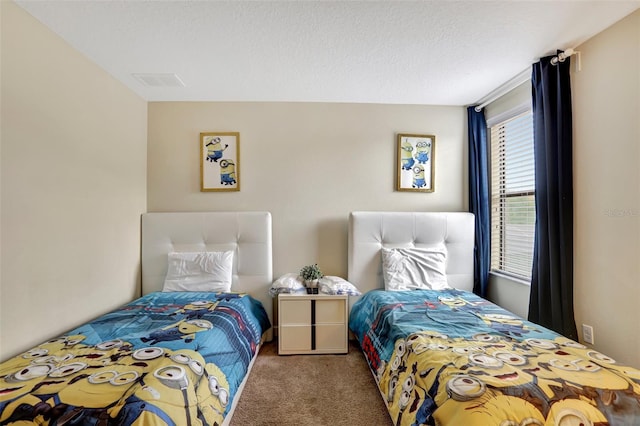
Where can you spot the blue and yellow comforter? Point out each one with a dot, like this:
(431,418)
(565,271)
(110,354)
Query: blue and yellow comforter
(452,358)
(166,358)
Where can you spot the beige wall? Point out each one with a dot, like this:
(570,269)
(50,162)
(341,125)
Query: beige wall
(309,164)
(606,110)
(73,174)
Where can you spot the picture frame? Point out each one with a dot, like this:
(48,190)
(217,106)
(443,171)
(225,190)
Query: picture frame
(219,161)
(415,162)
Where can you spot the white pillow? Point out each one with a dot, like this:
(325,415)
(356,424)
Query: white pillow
(288,283)
(414,268)
(336,285)
(210,271)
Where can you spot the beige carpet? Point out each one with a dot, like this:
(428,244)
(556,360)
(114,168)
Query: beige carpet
(310,390)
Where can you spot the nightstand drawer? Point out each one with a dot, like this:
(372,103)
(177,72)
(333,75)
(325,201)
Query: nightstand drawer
(295,338)
(296,312)
(331,338)
(330,311)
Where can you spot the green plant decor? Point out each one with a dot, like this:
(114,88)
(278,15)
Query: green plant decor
(311,273)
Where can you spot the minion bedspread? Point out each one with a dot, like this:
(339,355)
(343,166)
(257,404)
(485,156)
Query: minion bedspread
(166,358)
(451,358)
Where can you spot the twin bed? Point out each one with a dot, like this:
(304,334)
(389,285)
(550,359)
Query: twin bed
(439,354)
(168,358)
(444,356)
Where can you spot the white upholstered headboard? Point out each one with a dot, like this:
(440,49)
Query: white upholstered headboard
(247,233)
(370,231)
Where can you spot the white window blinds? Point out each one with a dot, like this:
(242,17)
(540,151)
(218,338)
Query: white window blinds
(512,196)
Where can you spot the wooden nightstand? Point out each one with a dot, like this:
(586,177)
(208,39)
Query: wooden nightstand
(313,324)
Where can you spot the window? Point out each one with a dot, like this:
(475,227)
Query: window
(512,196)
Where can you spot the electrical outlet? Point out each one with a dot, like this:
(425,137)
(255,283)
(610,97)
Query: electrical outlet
(587,334)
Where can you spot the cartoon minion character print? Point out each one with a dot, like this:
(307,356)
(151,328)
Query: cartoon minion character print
(418,177)
(196,309)
(112,383)
(183,330)
(423,148)
(407,155)
(227,172)
(415,165)
(215,149)
(220,155)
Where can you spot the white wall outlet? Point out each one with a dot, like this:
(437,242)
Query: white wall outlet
(587,334)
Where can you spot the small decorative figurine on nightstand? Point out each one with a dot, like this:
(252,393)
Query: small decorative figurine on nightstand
(310,275)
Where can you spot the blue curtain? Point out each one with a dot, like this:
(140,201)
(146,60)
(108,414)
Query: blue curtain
(551,301)
(479,197)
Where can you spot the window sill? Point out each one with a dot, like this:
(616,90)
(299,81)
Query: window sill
(510,278)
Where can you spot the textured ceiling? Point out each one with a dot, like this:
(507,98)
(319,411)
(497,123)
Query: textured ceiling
(408,52)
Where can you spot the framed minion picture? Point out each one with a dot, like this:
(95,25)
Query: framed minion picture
(219,161)
(415,163)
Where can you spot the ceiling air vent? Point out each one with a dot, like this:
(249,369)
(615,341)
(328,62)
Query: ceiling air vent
(159,80)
